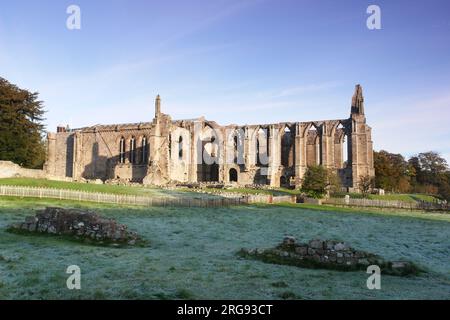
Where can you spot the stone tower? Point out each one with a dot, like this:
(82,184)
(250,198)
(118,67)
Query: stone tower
(361,144)
(158,170)
(157,106)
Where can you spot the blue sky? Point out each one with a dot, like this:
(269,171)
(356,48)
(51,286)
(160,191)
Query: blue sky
(237,61)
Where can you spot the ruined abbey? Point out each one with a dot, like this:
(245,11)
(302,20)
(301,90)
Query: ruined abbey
(167,151)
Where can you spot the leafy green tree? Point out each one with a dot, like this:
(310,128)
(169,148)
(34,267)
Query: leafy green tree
(315,181)
(334,182)
(391,171)
(432,167)
(431,173)
(444,188)
(21,128)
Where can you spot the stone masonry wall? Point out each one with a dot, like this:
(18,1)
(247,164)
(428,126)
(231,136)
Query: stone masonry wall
(9,169)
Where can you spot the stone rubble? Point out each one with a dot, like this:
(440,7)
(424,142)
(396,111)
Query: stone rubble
(80,224)
(329,254)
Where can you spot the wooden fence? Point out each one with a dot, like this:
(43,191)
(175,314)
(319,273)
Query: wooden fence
(396,204)
(64,194)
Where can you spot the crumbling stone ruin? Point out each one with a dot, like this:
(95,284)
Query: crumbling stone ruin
(79,224)
(327,254)
(167,151)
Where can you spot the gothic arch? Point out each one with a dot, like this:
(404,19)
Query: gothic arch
(287,145)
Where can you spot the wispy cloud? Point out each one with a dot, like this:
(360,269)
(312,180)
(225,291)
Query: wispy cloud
(96,84)
(223,13)
(306,88)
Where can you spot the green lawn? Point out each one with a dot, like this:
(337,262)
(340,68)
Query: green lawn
(192,254)
(285,191)
(105,188)
(243,190)
(393,196)
(182,192)
(404,197)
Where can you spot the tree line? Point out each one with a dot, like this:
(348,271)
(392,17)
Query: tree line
(426,173)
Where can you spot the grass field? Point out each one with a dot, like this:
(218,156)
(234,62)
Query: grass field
(192,254)
(105,188)
(408,197)
(183,192)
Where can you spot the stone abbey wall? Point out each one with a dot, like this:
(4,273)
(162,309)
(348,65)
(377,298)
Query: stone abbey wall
(9,169)
(166,151)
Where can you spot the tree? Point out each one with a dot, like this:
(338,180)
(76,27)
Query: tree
(21,128)
(432,167)
(315,181)
(366,184)
(318,180)
(334,181)
(391,171)
(444,190)
(431,173)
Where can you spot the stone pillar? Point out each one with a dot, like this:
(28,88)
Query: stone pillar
(222,151)
(193,151)
(324,146)
(298,148)
(354,155)
(327,145)
(247,150)
(275,156)
(77,155)
(50,163)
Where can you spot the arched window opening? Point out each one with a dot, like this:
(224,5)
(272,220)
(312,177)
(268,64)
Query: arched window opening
(313,148)
(341,147)
(345,150)
(122,150)
(180,148)
(213,147)
(208,168)
(236,139)
(133,150)
(170,146)
(144,150)
(318,153)
(233,175)
(287,148)
(235,147)
(258,150)
(283,181)
(262,150)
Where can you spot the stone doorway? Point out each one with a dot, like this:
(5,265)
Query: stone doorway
(233,175)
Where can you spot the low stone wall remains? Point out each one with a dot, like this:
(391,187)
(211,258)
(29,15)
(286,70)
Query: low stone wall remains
(79,224)
(327,254)
(9,169)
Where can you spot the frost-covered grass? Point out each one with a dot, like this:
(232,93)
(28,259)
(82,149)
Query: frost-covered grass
(192,255)
(427,215)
